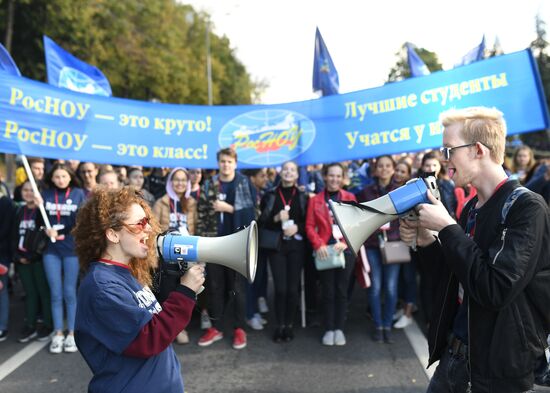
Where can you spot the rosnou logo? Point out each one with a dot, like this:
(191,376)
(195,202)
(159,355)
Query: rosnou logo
(75,80)
(268,137)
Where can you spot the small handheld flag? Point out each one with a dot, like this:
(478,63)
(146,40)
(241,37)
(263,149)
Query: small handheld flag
(65,70)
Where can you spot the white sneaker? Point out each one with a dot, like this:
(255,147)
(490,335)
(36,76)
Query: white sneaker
(403,322)
(339,338)
(182,337)
(69,345)
(258,316)
(328,338)
(205,321)
(56,346)
(255,324)
(262,305)
(398,314)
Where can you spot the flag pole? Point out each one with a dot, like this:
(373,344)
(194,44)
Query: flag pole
(36,192)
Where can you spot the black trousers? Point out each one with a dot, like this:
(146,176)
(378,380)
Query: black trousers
(334,287)
(311,278)
(286,266)
(428,284)
(226,293)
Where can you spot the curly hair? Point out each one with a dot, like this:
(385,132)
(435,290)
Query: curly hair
(106,209)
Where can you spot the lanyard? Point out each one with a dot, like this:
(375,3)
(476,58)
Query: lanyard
(500,185)
(285,203)
(31,215)
(471,221)
(113,263)
(172,206)
(496,188)
(57,208)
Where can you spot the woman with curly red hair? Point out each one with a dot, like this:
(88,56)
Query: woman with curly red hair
(123,333)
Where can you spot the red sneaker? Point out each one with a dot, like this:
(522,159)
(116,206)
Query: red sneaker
(212,335)
(239,339)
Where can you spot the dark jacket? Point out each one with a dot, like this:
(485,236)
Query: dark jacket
(34,221)
(7,212)
(266,207)
(504,331)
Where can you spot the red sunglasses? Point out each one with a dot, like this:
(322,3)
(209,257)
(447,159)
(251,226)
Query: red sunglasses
(141,224)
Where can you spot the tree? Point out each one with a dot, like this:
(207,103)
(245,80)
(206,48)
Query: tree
(147,50)
(496,50)
(540,140)
(401,69)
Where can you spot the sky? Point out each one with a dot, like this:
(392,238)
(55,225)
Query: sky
(274,39)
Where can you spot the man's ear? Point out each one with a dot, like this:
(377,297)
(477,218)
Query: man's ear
(481,149)
(112,236)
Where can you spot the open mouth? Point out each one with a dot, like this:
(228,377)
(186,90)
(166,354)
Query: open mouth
(451,172)
(144,240)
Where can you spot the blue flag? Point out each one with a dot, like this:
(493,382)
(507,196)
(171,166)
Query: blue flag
(325,76)
(65,70)
(416,64)
(473,55)
(6,62)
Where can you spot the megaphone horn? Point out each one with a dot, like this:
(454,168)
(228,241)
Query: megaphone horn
(238,251)
(358,221)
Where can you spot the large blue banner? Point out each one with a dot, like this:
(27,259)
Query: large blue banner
(42,120)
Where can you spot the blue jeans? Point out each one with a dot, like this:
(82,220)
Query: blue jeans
(62,268)
(451,375)
(259,287)
(382,277)
(4,301)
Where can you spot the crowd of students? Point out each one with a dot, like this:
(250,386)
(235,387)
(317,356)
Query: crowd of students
(296,226)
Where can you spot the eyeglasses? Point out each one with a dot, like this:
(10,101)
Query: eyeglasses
(179,180)
(141,225)
(446,151)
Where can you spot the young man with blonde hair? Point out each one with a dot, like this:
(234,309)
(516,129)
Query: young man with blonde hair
(488,328)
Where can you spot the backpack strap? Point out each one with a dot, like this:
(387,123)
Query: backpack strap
(512,198)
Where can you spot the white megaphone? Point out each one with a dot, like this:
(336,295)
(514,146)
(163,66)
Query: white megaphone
(357,221)
(238,251)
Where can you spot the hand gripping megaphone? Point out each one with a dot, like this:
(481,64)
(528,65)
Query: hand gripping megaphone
(357,221)
(238,251)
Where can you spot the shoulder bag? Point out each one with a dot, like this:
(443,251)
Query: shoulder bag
(334,260)
(269,239)
(393,251)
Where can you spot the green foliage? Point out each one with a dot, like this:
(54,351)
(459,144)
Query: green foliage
(539,47)
(401,69)
(147,49)
(541,140)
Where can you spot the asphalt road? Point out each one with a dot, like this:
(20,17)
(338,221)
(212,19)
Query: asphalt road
(303,365)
